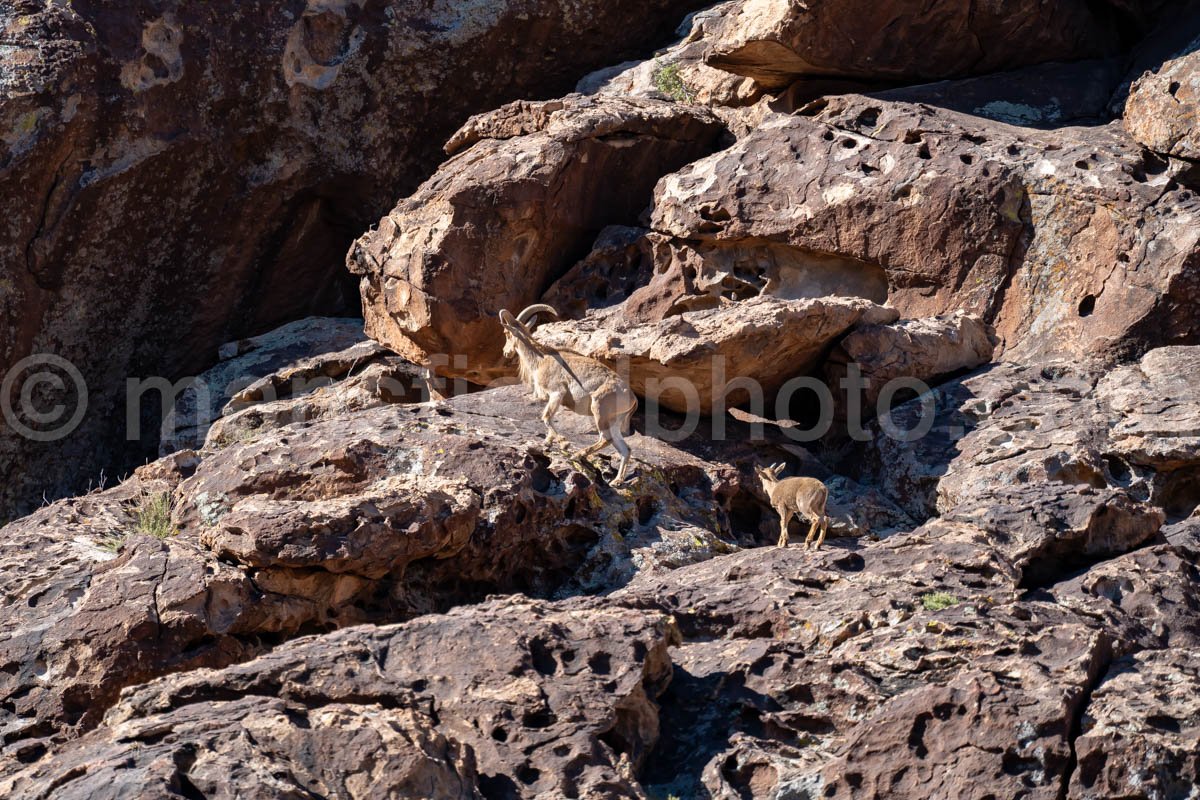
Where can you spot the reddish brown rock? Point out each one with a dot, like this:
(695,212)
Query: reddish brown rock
(91,605)
(1141,730)
(175,176)
(774,41)
(506,216)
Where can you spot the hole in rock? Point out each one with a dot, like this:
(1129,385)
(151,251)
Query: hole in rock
(542,718)
(1173,88)
(498,787)
(967,158)
(600,663)
(1087,305)
(543,660)
(528,775)
(869,117)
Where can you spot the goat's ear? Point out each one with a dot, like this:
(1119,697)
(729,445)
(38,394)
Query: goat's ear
(778,468)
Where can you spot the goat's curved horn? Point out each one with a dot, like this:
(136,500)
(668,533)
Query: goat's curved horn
(506,317)
(528,313)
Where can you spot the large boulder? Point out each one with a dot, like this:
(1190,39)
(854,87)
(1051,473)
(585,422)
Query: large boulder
(176,176)
(775,41)
(1071,242)
(530,188)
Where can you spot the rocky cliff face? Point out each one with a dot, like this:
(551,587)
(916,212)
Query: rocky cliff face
(179,175)
(356,571)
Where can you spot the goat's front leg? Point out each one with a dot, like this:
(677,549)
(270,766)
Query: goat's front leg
(552,406)
(784,518)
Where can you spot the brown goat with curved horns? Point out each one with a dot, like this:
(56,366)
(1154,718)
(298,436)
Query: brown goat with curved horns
(564,379)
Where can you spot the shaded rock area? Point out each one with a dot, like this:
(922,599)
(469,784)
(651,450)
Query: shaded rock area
(176,176)
(292,360)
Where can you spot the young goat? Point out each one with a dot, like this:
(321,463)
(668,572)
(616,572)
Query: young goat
(803,497)
(573,381)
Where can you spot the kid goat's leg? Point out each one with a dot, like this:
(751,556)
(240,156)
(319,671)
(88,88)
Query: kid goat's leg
(785,516)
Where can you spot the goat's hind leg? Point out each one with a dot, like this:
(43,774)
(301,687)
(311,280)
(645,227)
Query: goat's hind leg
(824,530)
(622,447)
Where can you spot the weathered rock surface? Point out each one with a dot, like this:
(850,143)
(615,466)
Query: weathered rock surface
(679,73)
(687,362)
(509,699)
(1070,242)
(446,503)
(1141,730)
(1163,109)
(296,358)
(176,176)
(776,42)
(509,214)
(81,622)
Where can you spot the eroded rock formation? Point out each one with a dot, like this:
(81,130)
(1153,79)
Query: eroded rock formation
(301,600)
(174,176)
(505,217)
